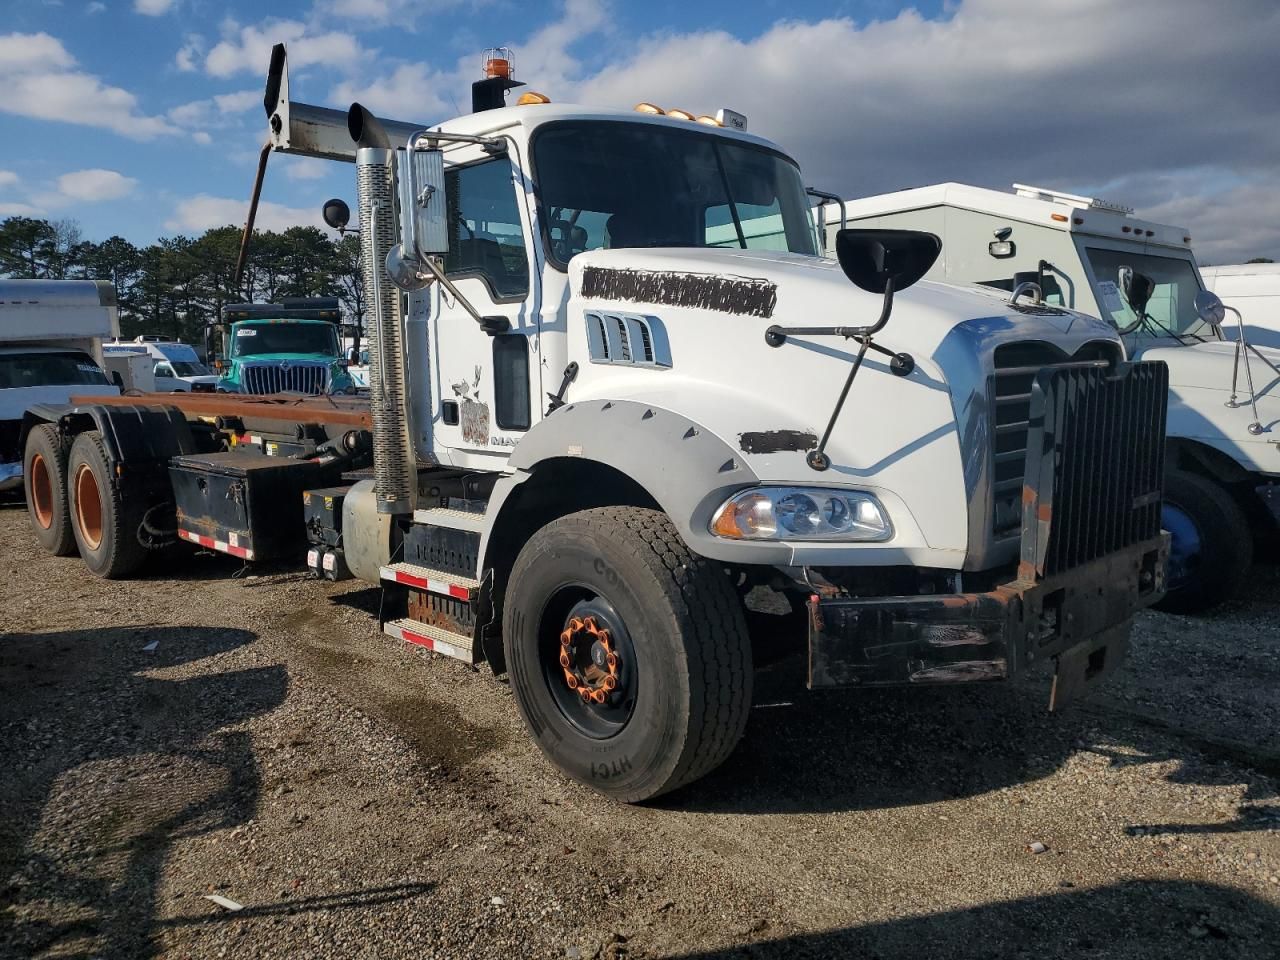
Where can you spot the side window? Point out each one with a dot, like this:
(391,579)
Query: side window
(485,236)
(163,369)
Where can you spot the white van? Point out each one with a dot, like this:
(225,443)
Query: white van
(177,367)
(1254,290)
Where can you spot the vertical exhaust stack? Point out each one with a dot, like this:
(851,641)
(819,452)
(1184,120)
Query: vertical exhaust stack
(395,469)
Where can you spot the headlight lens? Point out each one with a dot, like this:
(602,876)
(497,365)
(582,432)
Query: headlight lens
(802,513)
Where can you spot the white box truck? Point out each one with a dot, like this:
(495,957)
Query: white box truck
(51,334)
(1254,290)
(176,368)
(1045,248)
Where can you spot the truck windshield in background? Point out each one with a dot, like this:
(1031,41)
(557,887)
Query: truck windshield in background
(37,369)
(195,368)
(1173,303)
(606,184)
(257,339)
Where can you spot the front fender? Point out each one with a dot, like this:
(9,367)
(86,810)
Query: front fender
(687,469)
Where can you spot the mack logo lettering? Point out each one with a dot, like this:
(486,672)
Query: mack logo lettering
(743,295)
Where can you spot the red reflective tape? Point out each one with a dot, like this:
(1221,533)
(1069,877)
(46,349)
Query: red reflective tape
(409,580)
(417,639)
(459,593)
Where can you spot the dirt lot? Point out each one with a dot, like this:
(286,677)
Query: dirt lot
(362,800)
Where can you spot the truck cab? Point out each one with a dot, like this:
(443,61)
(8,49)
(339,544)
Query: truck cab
(1222,486)
(291,347)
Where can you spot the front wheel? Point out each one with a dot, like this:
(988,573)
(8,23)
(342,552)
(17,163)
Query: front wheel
(628,655)
(1211,546)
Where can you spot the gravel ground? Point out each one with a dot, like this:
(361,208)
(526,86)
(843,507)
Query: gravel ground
(364,800)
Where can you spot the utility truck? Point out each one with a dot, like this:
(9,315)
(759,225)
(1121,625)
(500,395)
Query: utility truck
(1222,479)
(51,334)
(289,347)
(596,432)
(175,367)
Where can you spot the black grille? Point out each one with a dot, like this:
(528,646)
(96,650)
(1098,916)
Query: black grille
(284,377)
(1096,462)
(1016,366)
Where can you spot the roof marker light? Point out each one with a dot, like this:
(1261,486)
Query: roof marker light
(709,121)
(1186,239)
(1060,217)
(1125,229)
(680,115)
(532,97)
(650,108)
(1078,221)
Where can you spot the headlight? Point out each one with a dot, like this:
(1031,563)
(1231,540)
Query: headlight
(802,513)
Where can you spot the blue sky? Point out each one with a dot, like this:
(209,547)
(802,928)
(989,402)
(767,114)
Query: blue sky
(143,117)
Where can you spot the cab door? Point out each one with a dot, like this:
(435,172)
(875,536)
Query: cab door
(484,384)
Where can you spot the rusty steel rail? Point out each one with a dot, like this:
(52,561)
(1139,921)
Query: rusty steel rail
(334,411)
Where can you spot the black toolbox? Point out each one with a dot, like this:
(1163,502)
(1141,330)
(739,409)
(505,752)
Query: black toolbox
(245,504)
(322,515)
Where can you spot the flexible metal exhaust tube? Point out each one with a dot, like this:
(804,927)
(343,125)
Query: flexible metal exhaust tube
(395,469)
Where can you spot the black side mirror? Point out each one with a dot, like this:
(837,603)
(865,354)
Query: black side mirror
(1138,289)
(872,258)
(336,214)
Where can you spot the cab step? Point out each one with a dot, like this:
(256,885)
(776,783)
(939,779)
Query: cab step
(436,639)
(431,580)
(466,520)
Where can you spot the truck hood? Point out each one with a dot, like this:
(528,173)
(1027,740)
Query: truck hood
(210,378)
(15,402)
(812,291)
(291,357)
(1209,366)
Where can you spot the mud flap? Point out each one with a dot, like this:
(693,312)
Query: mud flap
(1084,666)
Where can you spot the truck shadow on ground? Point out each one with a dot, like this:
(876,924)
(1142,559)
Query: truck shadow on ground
(832,751)
(106,766)
(1137,920)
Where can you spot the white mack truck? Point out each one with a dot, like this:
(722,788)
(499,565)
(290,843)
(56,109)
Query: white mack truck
(595,426)
(1222,481)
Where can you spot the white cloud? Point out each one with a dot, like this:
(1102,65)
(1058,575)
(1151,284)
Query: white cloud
(95,184)
(20,210)
(190,51)
(304,168)
(238,102)
(42,80)
(407,94)
(96,7)
(382,12)
(248,49)
(202,137)
(220,110)
(153,8)
(8,178)
(200,213)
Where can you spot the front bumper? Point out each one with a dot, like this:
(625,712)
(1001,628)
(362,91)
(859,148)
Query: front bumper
(1081,617)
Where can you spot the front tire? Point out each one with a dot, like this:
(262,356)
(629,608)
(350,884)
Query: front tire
(104,522)
(612,602)
(44,481)
(1212,547)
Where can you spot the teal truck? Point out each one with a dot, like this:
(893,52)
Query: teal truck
(288,347)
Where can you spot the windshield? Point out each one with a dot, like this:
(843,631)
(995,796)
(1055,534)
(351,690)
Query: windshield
(48,370)
(193,369)
(256,339)
(1173,303)
(609,184)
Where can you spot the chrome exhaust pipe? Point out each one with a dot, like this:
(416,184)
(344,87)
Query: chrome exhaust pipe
(395,468)
(321,132)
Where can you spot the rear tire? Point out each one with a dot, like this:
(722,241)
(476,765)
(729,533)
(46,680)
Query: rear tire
(44,481)
(104,523)
(683,682)
(1212,546)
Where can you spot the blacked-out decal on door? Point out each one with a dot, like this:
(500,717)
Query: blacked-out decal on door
(749,296)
